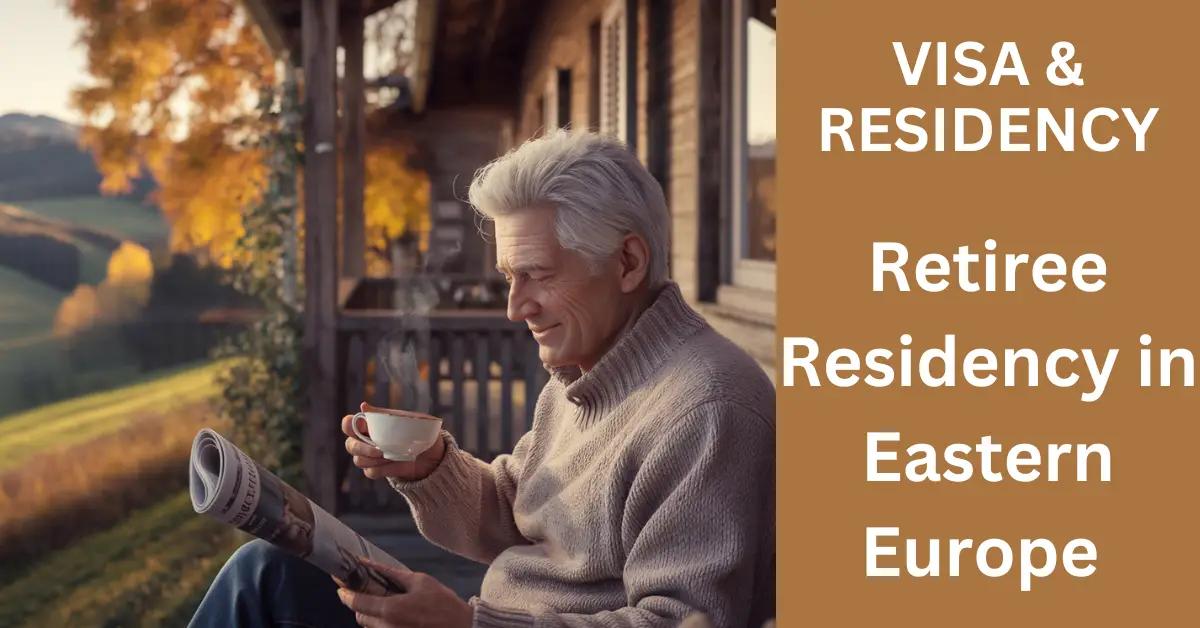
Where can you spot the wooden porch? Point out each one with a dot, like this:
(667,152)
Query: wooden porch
(473,367)
(434,342)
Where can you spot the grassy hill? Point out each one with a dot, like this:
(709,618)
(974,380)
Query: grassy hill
(84,418)
(27,306)
(151,570)
(57,232)
(124,218)
(95,527)
(52,245)
(80,232)
(40,158)
(78,466)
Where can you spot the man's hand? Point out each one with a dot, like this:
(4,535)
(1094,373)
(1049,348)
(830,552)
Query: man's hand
(425,602)
(376,467)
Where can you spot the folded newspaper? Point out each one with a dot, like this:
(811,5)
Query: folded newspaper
(232,488)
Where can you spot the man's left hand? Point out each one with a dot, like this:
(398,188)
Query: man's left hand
(425,602)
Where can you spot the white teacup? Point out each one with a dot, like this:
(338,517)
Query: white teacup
(401,435)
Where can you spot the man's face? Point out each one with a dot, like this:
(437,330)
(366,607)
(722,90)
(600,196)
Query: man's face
(574,315)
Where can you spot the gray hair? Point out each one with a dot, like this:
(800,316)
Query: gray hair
(599,189)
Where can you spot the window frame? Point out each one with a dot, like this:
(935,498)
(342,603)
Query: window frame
(618,47)
(738,270)
(613,37)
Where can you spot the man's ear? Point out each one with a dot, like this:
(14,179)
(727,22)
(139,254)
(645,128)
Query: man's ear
(634,261)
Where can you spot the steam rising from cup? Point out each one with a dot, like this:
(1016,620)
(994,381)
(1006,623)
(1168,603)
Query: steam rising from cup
(403,350)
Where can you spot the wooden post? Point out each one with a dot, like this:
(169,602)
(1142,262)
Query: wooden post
(713,97)
(320,441)
(355,131)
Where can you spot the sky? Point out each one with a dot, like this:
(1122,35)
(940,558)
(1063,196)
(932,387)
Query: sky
(39,61)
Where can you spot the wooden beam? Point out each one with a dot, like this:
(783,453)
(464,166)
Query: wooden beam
(632,72)
(713,91)
(354,129)
(321,429)
(268,27)
(488,41)
(422,54)
(658,93)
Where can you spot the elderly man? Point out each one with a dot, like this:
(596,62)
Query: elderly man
(644,492)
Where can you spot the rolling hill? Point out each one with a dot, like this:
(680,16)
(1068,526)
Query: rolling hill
(39,158)
(123,218)
(27,306)
(57,232)
(55,228)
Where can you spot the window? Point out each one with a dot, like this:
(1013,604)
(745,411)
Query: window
(594,76)
(562,97)
(754,205)
(540,118)
(614,73)
(555,100)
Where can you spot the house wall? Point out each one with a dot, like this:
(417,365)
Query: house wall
(561,40)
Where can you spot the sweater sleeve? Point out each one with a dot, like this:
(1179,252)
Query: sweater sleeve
(697,528)
(466,505)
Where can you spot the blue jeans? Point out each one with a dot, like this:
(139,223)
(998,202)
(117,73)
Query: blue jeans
(262,585)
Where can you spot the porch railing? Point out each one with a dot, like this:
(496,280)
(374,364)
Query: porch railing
(481,371)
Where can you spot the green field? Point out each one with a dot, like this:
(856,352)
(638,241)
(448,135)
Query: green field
(83,418)
(27,306)
(124,218)
(27,309)
(37,367)
(40,369)
(151,570)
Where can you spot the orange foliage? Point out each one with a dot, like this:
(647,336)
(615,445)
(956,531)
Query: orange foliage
(174,91)
(175,86)
(395,202)
(77,311)
(120,297)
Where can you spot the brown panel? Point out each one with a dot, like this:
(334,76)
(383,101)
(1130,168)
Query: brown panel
(1136,209)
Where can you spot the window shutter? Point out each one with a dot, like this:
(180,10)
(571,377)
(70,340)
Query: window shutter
(614,67)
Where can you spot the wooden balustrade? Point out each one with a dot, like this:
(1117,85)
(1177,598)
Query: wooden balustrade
(475,369)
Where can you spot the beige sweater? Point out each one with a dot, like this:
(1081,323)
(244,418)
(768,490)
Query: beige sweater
(644,492)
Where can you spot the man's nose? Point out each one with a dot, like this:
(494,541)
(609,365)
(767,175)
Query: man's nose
(520,306)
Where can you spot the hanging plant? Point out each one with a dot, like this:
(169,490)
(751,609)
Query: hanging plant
(263,389)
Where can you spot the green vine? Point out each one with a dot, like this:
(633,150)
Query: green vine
(263,390)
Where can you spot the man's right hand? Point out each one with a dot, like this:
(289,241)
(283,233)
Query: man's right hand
(376,467)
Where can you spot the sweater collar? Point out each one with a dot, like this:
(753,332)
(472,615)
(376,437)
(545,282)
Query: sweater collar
(634,356)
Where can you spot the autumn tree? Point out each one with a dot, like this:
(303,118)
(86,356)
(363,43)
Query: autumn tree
(395,204)
(173,92)
(120,297)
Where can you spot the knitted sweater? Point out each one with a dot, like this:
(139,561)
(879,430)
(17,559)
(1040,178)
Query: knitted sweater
(644,492)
